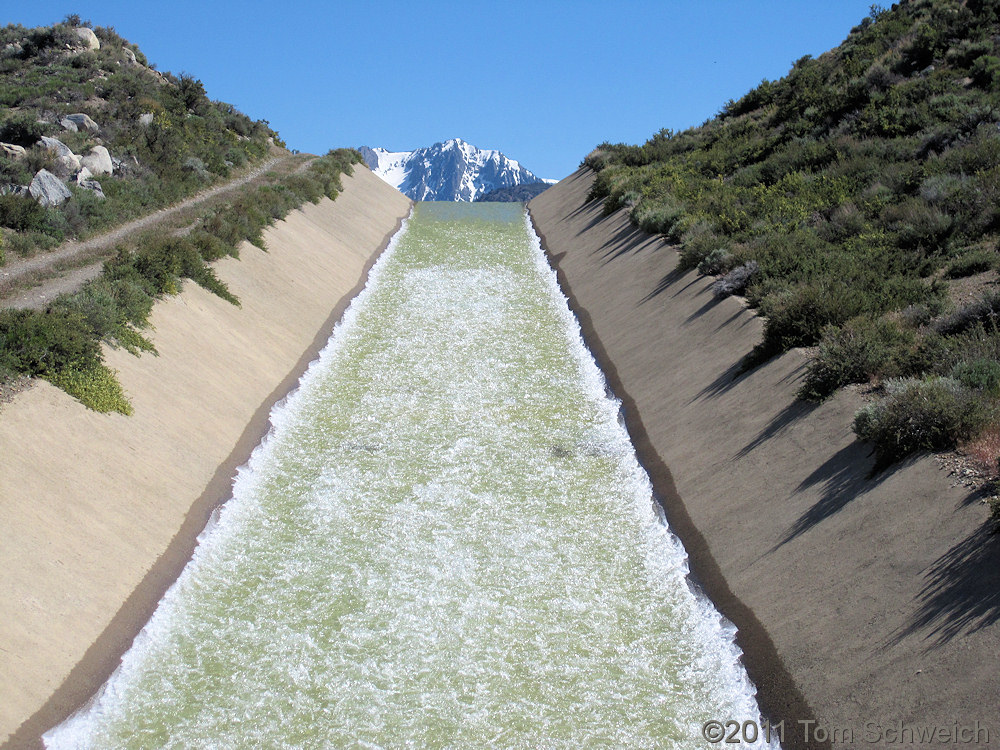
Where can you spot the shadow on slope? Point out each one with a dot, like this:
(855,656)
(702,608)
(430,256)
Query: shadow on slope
(962,590)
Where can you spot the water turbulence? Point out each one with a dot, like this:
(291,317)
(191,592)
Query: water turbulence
(445,541)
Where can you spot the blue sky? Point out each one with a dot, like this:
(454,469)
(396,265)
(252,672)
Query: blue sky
(544,82)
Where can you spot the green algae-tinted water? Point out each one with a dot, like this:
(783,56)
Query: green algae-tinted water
(445,541)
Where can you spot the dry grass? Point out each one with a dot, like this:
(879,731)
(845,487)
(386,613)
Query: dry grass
(982,452)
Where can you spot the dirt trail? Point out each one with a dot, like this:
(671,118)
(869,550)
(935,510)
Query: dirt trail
(34,282)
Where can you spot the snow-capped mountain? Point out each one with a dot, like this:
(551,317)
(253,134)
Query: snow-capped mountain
(449,171)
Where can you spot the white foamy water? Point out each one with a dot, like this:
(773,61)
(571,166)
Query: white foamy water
(446,541)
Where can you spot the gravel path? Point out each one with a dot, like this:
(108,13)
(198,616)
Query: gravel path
(13,275)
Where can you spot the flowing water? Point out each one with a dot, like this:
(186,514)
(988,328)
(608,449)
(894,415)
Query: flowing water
(445,541)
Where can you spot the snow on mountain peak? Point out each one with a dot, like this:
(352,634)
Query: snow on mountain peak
(452,170)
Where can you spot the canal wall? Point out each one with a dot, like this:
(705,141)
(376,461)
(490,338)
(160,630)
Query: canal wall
(861,601)
(101,512)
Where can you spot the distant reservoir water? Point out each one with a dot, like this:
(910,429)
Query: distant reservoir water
(446,541)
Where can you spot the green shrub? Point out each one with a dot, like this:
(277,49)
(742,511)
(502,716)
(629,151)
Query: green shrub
(596,160)
(972,262)
(114,310)
(22,213)
(917,224)
(986,72)
(979,374)
(210,247)
(161,264)
(698,242)
(44,343)
(717,261)
(799,318)
(915,415)
(96,304)
(994,505)
(854,353)
(657,218)
(95,387)
(24,244)
(22,129)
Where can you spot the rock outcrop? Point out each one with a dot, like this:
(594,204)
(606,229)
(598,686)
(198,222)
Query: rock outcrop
(48,189)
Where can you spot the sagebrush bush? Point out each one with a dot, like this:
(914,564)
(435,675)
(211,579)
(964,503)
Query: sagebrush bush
(799,318)
(736,280)
(22,129)
(984,311)
(915,415)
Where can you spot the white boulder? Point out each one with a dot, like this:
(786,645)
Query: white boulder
(146,119)
(66,166)
(12,150)
(48,189)
(55,146)
(98,161)
(88,37)
(67,163)
(93,186)
(80,120)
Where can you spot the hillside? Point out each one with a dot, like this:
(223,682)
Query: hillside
(148,140)
(114,136)
(855,204)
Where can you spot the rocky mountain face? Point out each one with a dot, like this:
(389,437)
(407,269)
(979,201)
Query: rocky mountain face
(449,171)
(514,194)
